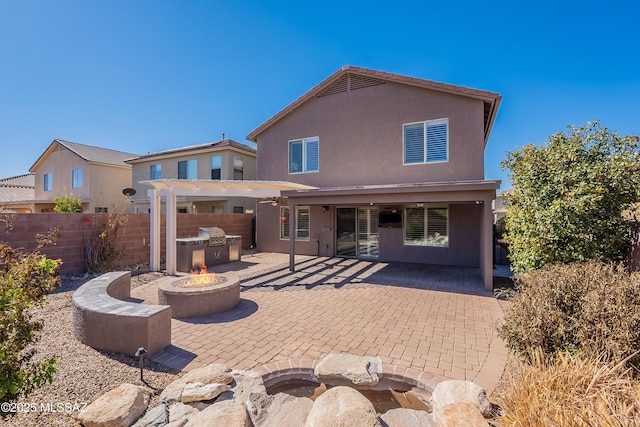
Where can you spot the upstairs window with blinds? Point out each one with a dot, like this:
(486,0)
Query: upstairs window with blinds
(426,142)
(426,226)
(302,223)
(304,155)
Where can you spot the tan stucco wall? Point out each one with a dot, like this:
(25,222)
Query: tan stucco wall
(101,184)
(361,134)
(60,165)
(142,170)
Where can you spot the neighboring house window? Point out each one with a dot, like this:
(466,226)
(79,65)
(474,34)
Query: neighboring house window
(238,168)
(238,209)
(216,167)
(77,178)
(183,210)
(426,226)
(48,182)
(426,142)
(304,155)
(188,169)
(155,172)
(302,223)
(101,210)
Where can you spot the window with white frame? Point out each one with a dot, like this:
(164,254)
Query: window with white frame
(188,169)
(76,180)
(426,225)
(155,171)
(302,223)
(48,182)
(426,142)
(216,167)
(238,168)
(304,155)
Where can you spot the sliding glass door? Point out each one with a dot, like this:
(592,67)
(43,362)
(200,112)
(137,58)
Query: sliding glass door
(357,232)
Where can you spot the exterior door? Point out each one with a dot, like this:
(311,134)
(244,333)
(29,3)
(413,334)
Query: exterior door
(357,232)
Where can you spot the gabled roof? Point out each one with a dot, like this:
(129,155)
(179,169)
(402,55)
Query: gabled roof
(89,153)
(225,143)
(17,188)
(337,82)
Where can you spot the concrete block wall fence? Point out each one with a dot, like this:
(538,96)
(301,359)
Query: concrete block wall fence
(133,237)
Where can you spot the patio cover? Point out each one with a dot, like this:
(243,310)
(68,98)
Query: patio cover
(172,188)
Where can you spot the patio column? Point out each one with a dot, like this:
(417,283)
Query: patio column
(171,232)
(292,236)
(154,236)
(486,246)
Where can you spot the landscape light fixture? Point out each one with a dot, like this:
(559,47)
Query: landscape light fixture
(140,354)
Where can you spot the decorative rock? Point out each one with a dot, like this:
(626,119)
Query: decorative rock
(347,369)
(157,417)
(460,414)
(180,411)
(197,392)
(209,374)
(244,384)
(401,417)
(173,392)
(454,391)
(228,413)
(341,407)
(281,410)
(119,407)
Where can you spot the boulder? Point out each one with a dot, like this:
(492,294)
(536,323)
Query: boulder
(198,392)
(341,407)
(228,413)
(209,374)
(173,392)
(402,417)
(281,410)
(460,414)
(182,412)
(454,391)
(157,417)
(348,369)
(121,406)
(244,383)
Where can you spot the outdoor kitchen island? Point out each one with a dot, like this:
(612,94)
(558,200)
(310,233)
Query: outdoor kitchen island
(211,247)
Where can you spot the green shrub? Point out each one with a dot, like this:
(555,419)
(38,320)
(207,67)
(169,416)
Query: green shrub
(590,307)
(25,279)
(67,203)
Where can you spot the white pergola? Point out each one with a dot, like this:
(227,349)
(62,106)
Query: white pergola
(170,189)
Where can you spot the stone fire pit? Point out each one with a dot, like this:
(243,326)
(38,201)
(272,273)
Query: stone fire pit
(200,295)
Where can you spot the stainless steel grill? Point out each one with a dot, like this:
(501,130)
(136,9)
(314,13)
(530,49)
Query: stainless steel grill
(215,235)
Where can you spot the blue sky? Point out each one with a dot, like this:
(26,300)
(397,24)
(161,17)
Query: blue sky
(144,76)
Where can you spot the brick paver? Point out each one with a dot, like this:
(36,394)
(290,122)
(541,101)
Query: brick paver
(430,319)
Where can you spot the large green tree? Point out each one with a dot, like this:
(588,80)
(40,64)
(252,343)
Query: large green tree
(573,198)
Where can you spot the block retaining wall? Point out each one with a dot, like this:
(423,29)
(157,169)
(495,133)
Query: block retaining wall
(132,239)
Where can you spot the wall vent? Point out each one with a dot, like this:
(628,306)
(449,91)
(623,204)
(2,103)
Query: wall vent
(337,87)
(359,82)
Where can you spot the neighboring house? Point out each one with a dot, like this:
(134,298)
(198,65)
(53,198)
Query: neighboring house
(500,205)
(17,193)
(222,160)
(95,175)
(398,163)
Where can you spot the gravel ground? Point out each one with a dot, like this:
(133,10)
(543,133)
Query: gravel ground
(83,374)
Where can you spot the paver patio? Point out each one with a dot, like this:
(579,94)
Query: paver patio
(432,319)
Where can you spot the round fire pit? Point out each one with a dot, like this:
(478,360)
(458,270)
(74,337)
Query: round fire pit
(200,295)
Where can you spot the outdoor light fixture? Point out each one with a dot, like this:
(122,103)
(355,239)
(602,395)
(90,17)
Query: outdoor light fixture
(140,353)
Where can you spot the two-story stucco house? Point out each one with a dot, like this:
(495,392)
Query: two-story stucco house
(222,160)
(398,167)
(95,175)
